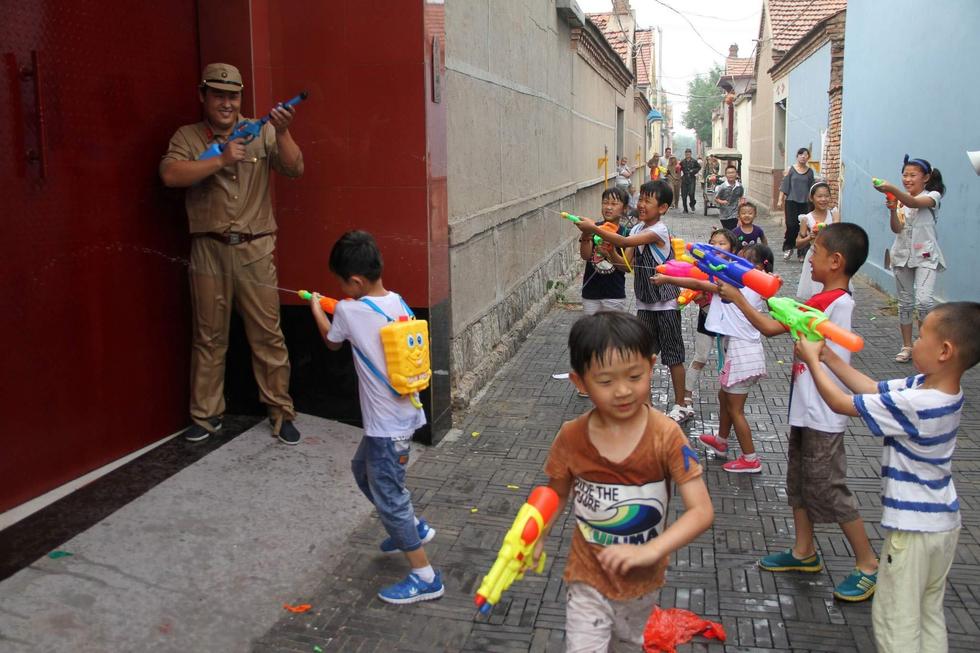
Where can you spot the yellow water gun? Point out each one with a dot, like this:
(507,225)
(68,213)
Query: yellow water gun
(515,556)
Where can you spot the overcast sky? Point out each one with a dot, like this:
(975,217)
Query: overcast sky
(720,22)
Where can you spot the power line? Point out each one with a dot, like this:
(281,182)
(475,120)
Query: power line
(688,21)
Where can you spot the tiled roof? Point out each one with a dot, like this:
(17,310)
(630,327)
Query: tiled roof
(792,19)
(739,66)
(610,28)
(644,56)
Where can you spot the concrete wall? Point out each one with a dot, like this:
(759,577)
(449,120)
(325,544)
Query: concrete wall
(743,133)
(936,126)
(717,131)
(760,177)
(807,108)
(528,114)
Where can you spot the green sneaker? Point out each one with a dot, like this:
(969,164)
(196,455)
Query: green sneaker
(786,561)
(858,586)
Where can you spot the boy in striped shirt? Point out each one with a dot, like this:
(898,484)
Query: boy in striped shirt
(918,418)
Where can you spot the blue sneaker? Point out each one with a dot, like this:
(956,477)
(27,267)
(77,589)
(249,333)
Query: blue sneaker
(412,590)
(858,586)
(786,561)
(426,533)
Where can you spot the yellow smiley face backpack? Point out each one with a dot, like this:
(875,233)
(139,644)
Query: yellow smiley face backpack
(405,343)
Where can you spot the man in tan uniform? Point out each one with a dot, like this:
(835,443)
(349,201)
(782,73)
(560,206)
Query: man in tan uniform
(233,236)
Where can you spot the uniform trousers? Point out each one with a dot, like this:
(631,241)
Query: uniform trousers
(220,280)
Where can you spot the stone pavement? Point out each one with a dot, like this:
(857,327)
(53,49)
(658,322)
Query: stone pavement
(471,486)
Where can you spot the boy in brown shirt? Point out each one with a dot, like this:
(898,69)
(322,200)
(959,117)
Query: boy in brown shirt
(620,459)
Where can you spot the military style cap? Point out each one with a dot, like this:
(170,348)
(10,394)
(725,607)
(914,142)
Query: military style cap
(222,76)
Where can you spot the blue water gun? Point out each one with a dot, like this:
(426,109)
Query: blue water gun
(247,130)
(733,270)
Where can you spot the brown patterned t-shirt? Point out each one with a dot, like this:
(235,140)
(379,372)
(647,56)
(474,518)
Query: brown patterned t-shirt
(620,503)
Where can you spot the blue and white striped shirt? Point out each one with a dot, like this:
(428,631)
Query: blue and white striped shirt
(919,429)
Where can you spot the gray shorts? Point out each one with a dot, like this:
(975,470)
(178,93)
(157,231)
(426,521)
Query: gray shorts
(595,623)
(816,476)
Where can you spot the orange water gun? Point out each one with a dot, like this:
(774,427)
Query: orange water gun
(328,304)
(687,296)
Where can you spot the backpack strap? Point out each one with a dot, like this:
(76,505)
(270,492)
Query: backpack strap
(375,308)
(374,370)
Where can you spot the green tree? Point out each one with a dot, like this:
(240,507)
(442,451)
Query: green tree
(703,96)
(682,142)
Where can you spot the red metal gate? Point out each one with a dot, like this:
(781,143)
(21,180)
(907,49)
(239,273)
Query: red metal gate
(95,321)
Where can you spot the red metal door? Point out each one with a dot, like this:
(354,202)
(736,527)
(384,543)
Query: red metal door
(95,329)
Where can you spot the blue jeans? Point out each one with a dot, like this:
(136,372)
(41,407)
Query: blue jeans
(379,470)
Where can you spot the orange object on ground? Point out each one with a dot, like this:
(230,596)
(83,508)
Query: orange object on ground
(303,607)
(666,629)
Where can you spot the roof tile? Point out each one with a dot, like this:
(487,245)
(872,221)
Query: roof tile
(792,19)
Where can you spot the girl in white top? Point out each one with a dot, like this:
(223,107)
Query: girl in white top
(821,213)
(745,362)
(915,255)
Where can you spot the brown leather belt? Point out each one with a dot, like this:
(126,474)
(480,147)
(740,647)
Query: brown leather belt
(231,237)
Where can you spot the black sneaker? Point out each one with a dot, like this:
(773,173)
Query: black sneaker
(196,432)
(288,433)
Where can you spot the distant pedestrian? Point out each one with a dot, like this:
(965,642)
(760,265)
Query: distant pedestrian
(623,173)
(673,177)
(915,255)
(917,419)
(389,419)
(657,170)
(689,180)
(625,459)
(793,194)
(727,196)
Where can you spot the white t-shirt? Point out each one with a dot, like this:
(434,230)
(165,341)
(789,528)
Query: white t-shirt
(660,229)
(384,414)
(917,244)
(806,407)
(919,429)
(728,320)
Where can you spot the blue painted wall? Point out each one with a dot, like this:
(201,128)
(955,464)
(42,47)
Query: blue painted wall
(808,106)
(908,87)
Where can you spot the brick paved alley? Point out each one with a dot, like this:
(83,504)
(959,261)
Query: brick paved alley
(465,488)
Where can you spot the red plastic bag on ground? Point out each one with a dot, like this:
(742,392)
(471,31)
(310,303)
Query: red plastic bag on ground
(666,629)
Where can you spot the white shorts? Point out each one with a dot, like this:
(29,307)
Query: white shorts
(593,306)
(595,623)
(740,388)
